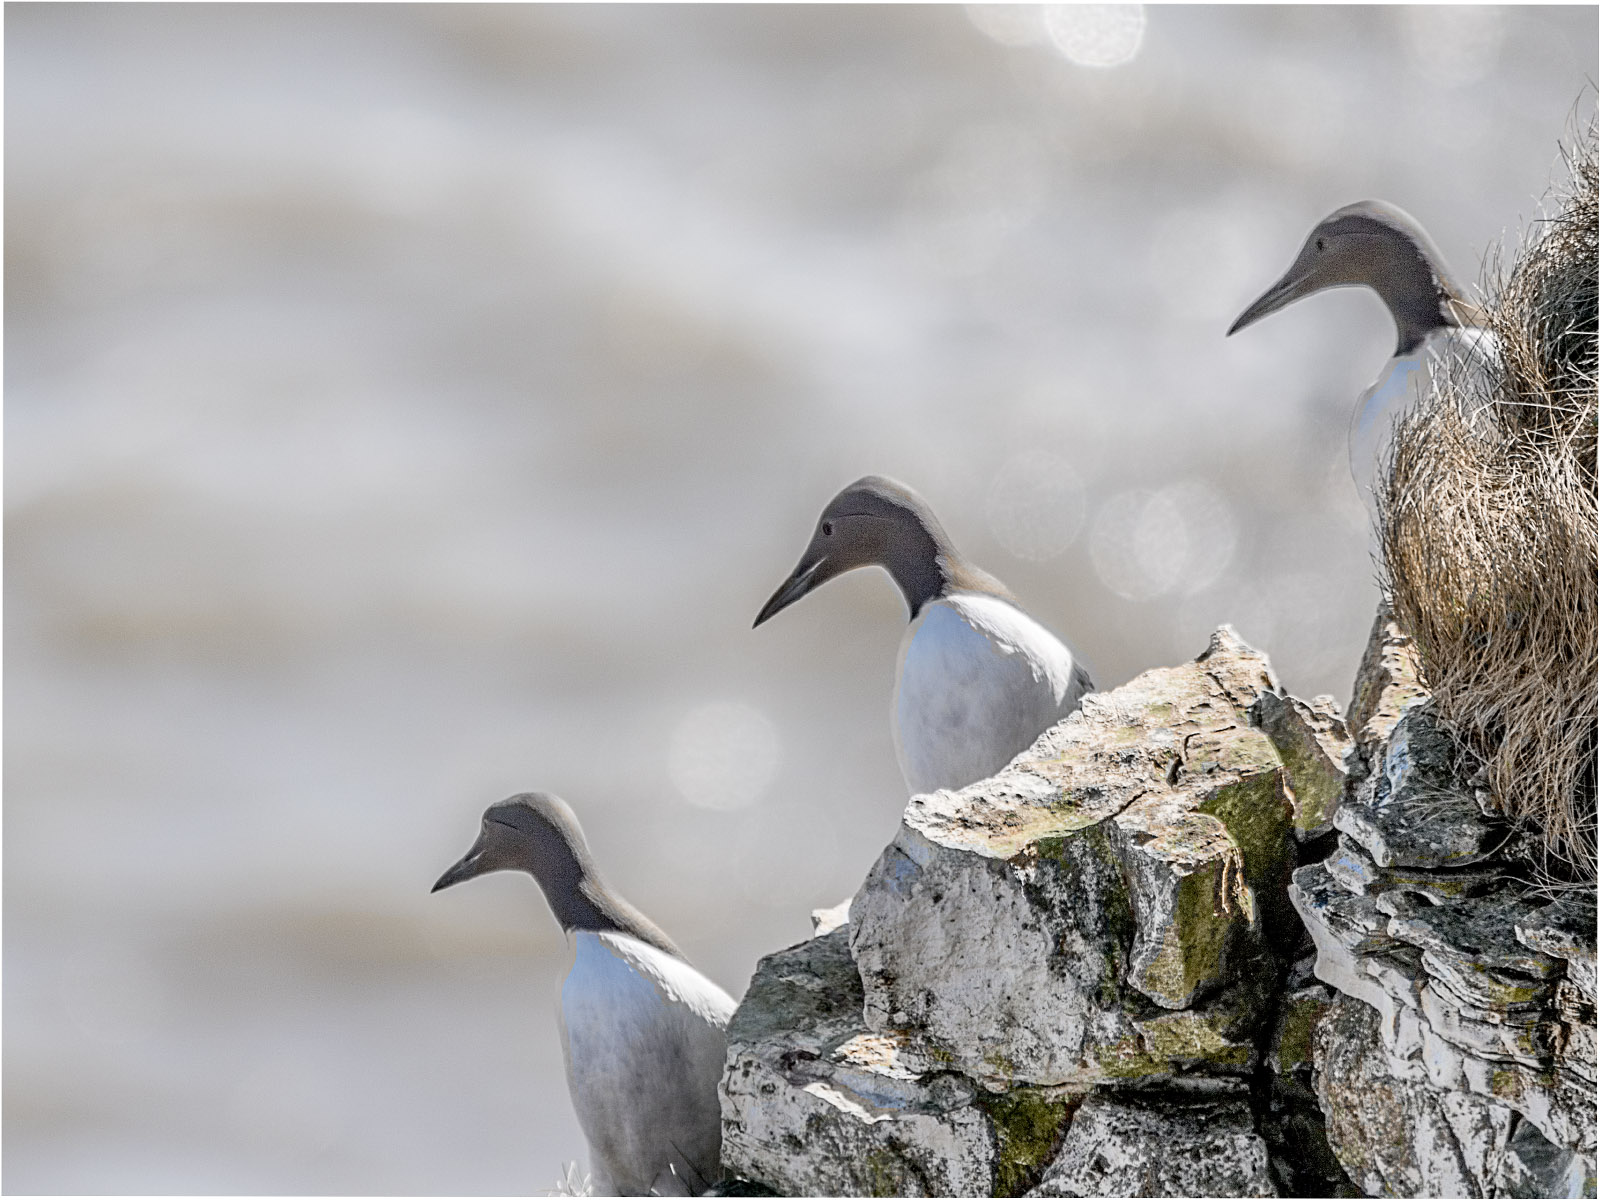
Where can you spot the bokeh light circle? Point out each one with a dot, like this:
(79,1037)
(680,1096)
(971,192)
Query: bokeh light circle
(1009,24)
(723,755)
(1211,533)
(1036,505)
(1452,45)
(1096,35)
(1178,540)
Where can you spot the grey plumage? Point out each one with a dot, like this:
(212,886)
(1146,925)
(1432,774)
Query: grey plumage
(979,679)
(878,521)
(641,1029)
(1372,244)
(539,833)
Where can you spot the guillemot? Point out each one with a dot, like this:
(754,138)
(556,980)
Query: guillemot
(641,1029)
(979,679)
(1377,245)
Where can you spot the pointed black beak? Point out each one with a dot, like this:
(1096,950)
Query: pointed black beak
(806,576)
(1280,295)
(470,866)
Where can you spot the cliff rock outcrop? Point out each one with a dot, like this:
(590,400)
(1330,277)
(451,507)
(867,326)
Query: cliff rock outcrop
(1459,1059)
(1201,939)
(1050,971)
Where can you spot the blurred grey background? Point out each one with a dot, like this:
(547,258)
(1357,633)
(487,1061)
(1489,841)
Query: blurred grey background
(406,406)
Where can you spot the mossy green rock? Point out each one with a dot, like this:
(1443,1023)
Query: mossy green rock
(1311,740)
(1028,1128)
(1136,855)
(1161,1145)
(813,1103)
(1298,1015)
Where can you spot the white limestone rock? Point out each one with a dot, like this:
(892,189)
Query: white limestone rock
(813,1103)
(1396,1136)
(1133,860)
(1532,1167)
(1352,918)
(1413,812)
(1160,1145)
(1459,1059)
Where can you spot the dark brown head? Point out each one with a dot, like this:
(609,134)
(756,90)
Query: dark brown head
(538,833)
(877,522)
(1371,244)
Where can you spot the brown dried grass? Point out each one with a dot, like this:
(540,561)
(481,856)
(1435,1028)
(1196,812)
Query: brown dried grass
(1489,532)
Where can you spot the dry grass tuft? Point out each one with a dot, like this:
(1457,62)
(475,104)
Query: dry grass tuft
(1489,532)
(573,1182)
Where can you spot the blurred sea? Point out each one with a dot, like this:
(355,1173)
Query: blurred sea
(407,406)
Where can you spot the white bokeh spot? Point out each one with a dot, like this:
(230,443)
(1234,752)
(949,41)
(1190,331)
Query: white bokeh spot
(1009,24)
(1453,45)
(1036,505)
(723,755)
(1096,35)
(1147,544)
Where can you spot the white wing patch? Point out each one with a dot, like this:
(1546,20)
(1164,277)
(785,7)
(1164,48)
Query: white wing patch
(642,1034)
(979,681)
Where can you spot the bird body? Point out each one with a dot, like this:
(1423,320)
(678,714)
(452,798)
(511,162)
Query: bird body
(642,1031)
(642,1037)
(978,681)
(1398,390)
(1373,244)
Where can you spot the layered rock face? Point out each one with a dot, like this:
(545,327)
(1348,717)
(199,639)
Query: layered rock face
(1459,1059)
(1198,940)
(1066,979)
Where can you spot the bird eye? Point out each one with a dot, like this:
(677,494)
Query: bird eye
(827,529)
(1321,244)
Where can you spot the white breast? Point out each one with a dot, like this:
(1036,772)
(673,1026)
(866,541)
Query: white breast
(979,681)
(1397,391)
(642,1033)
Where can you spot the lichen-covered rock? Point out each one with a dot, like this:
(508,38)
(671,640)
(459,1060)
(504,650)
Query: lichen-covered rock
(1133,860)
(813,1103)
(1459,1059)
(1471,947)
(1532,1167)
(1565,929)
(1448,1033)
(1312,741)
(1086,975)
(1413,811)
(1388,682)
(1400,1137)
(1161,1145)
(1353,870)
